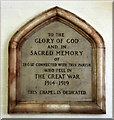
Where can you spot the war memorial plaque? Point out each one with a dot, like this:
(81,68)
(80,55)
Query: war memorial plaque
(56,65)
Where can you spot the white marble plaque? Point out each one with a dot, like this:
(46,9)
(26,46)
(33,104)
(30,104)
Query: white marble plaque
(56,65)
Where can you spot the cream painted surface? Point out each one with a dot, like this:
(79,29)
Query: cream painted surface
(14,14)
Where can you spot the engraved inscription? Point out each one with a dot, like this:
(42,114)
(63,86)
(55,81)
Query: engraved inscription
(56,65)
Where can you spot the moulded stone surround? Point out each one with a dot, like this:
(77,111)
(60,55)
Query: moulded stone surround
(96,106)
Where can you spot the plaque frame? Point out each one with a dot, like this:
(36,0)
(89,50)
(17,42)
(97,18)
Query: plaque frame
(97,106)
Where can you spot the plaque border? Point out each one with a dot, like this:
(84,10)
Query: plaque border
(97,106)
